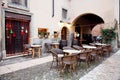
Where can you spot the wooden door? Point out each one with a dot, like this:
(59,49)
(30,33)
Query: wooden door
(16,34)
(64,33)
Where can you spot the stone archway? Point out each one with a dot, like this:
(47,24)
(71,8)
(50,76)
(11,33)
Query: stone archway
(84,25)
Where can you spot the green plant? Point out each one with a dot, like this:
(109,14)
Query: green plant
(108,35)
(41,33)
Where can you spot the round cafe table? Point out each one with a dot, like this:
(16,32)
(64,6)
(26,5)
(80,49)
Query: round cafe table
(38,47)
(89,47)
(72,51)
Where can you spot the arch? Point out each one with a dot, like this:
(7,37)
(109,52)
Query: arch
(84,24)
(64,33)
(90,18)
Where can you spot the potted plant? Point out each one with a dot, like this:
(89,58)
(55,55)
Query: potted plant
(108,35)
(41,34)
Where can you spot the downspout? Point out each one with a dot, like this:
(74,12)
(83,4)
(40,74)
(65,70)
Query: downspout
(53,8)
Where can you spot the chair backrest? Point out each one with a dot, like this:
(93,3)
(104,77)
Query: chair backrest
(26,46)
(85,53)
(62,43)
(107,47)
(48,45)
(69,59)
(67,47)
(57,51)
(75,42)
(77,47)
(54,53)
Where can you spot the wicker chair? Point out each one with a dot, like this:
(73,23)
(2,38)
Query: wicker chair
(48,46)
(57,54)
(76,45)
(107,49)
(84,57)
(69,62)
(62,43)
(94,55)
(27,48)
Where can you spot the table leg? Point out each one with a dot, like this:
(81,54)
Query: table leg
(33,52)
(38,52)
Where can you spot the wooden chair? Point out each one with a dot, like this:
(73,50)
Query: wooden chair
(48,46)
(107,49)
(56,58)
(84,57)
(62,43)
(69,62)
(94,55)
(100,52)
(76,45)
(27,48)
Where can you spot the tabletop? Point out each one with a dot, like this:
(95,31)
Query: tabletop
(100,44)
(88,46)
(72,51)
(36,45)
(55,43)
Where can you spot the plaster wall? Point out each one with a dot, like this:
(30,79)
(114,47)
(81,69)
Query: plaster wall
(102,8)
(42,15)
(116,12)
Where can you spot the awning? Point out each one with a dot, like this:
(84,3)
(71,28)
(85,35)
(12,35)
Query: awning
(17,16)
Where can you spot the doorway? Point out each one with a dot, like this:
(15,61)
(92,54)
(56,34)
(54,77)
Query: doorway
(16,34)
(64,33)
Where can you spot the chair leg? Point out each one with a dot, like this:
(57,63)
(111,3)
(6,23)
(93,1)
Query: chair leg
(51,65)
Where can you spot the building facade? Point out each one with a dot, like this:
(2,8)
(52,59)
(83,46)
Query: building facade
(23,21)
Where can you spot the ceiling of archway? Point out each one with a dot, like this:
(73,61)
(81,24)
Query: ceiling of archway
(88,19)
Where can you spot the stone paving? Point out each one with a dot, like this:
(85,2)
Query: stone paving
(108,70)
(39,69)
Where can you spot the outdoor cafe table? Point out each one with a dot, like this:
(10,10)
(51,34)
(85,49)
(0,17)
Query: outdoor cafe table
(36,47)
(72,51)
(100,44)
(88,47)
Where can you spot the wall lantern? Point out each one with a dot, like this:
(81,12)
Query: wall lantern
(63,23)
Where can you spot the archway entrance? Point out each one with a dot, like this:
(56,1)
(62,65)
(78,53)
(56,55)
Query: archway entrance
(84,25)
(64,33)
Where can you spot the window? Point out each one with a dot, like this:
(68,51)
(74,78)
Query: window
(64,14)
(20,2)
(16,2)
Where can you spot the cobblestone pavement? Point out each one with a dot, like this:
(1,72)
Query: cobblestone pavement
(108,70)
(43,72)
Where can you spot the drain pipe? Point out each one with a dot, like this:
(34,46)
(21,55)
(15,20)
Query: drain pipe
(1,54)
